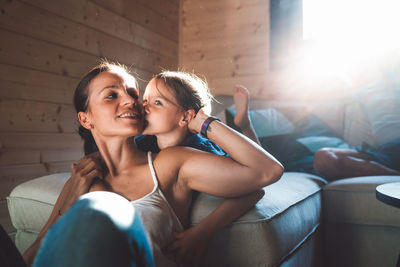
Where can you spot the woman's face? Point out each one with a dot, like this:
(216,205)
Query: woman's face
(114,108)
(162,111)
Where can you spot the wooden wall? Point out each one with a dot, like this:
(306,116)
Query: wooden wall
(227,41)
(45,47)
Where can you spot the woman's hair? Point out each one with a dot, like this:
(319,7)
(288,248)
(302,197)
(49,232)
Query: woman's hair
(190,91)
(81,97)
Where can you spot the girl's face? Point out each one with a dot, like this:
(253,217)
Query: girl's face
(162,111)
(114,108)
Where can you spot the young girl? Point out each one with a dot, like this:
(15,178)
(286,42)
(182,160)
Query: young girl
(171,100)
(158,186)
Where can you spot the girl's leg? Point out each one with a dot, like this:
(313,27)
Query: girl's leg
(337,163)
(242,117)
(100,229)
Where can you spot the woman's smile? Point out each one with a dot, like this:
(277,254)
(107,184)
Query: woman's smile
(132,115)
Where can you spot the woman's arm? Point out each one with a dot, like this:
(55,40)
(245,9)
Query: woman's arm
(249,168)
(82,175)
(192,243)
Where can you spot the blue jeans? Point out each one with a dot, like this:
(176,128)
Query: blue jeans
(100,229)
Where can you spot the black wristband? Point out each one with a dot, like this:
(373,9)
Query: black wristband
(205,125)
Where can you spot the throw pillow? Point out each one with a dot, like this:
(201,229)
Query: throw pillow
(266,122)
(381,105)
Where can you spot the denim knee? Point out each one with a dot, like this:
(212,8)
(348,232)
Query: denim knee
(100,229)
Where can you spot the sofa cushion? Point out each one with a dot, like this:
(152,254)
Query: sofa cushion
(281,221)
(357,129)
(285,218)
(266,122)
(353,201)
(355,223)
(381,104)
(30,205)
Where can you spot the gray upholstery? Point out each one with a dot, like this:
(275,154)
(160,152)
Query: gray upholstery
(294,224)
(284,221)
(359,229)
(30,205)
(287,216)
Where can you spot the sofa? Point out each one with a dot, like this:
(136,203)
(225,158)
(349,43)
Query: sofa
(302,220)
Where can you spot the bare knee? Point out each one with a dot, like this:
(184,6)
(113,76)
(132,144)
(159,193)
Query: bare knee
(326,162)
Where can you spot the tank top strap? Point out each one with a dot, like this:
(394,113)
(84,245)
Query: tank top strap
(153,172)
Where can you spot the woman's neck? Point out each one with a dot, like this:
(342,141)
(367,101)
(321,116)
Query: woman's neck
(120,154)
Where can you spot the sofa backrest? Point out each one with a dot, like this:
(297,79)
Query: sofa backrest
(345,119)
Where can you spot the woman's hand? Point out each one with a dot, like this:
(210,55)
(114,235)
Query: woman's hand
(190,246)
(196,123)
(83,174)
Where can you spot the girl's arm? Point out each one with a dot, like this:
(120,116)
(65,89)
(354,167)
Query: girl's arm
(192,243)
(82,175)
(249,168)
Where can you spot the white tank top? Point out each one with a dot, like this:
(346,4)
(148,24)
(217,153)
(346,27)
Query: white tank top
(159,219)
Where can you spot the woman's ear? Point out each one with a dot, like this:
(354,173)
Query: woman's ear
(83,118)
(188,115)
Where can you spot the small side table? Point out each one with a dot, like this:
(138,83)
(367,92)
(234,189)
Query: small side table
(390,194)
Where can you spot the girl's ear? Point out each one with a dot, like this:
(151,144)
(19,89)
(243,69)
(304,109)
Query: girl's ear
(188,115)
(83,118)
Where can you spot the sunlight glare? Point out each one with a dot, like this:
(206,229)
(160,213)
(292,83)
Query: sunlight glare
(348,36)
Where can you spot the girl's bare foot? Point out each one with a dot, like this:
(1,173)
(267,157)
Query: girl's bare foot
(241,99)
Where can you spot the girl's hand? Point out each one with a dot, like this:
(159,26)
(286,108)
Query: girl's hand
(196,123)
(190,246)
(83,174)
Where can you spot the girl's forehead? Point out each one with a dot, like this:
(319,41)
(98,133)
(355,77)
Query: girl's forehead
(158,88)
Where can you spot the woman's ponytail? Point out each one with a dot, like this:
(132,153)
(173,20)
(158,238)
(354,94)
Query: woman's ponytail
(89,145)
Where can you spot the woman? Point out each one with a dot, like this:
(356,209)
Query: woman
(159,186)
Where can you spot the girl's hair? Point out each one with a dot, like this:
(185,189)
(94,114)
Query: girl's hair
(81,97)
(190,91)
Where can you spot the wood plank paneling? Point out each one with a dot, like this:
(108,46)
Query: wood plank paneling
(20,50)
(226,12)
(58,141)
(26,156)
(33,21)
(230,46)
(194,52)
(100,18)
(20,115)
(229,67)
(154,18)
(28,84)
(230,33)
(168,9)
(254,83)
(20,156)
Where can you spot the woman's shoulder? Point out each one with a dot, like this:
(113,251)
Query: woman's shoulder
(170,160)
(176,153)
